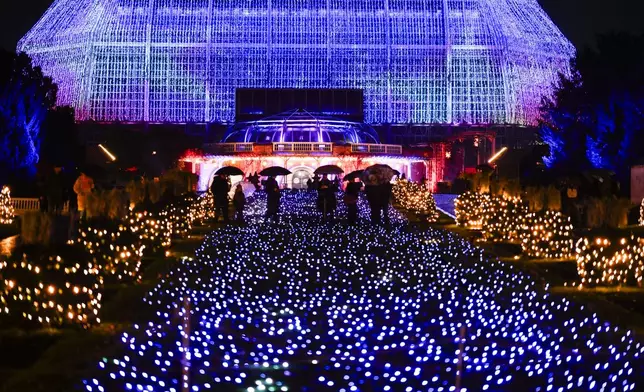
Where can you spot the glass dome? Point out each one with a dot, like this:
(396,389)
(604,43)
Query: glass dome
(303,127)
(417,61)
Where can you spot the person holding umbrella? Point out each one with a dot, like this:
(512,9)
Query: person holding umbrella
(272,189)
(351,195)
(378,189)
(272,197)
(326,198)
(220,189)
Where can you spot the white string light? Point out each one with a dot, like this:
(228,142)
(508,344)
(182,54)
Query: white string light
(436,61)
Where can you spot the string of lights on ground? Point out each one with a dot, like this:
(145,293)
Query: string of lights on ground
(301,305)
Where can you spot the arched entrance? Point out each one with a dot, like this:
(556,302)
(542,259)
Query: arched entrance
(300,176)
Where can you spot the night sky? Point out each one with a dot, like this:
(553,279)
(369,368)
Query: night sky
(580,20)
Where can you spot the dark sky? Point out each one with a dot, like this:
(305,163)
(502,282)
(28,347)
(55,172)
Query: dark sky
(580,20)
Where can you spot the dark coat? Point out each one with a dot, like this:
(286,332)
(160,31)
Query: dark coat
(220,189)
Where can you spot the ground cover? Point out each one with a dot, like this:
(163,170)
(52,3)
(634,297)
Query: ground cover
(297,305)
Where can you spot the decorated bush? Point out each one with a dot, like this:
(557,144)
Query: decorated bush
(181,215)
(605,262)
(416,199)
(547,234)
(503,219)
(107,234)
(51,286)
(6,208)
(472,209)
(642,213)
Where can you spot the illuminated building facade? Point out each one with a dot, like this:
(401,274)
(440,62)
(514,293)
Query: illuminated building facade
(418,61)
(428,68)
(303,141)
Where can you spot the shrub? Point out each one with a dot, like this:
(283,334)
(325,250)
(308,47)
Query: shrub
(605,262)
(6,206)
(547,234)
(51,286)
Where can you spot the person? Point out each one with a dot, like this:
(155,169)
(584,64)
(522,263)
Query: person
(351,195)
(326,198)
(309,184)
(273,197)
(83,187)
(55,190)
(220,189)
(239,201)
(378,198)
(385,196)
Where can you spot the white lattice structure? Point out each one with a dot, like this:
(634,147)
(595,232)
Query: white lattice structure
(418,61)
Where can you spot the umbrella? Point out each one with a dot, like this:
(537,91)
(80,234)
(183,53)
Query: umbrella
(378,175)
(275,171)
(230,171)
(353,175)
(329,169)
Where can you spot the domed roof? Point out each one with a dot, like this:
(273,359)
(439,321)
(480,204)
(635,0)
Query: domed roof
(301,126)
(417,61)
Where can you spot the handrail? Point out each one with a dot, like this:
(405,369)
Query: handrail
(391,149)
(303,147)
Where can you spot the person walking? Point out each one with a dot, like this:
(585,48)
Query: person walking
(351,194)
(83,187)
(272,197)
(326,198)
(220,189)
(385,198)
(55,190)
(239,201)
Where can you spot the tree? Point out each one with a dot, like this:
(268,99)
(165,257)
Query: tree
(59,138)
(26,97)
(595,118)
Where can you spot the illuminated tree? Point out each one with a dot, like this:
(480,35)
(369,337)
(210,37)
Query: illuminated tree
(26,95)
(596,117)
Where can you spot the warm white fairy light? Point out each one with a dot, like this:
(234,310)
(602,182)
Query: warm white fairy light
(6,207)
(52,289)
(360,308)
(424,62)
(547,235)
(642,213)
(503,219)
(416,199)
(470,209)
(610,262)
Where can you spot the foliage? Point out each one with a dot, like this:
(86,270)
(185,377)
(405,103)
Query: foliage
(178,182)
(610,262)
(52,286)
(416,199)
(596,117)
(6,207)
(504,219)
(26,96)
(607,212)
(547,234)
(470,209)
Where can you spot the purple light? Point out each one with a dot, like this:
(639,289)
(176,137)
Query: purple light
(418,61)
